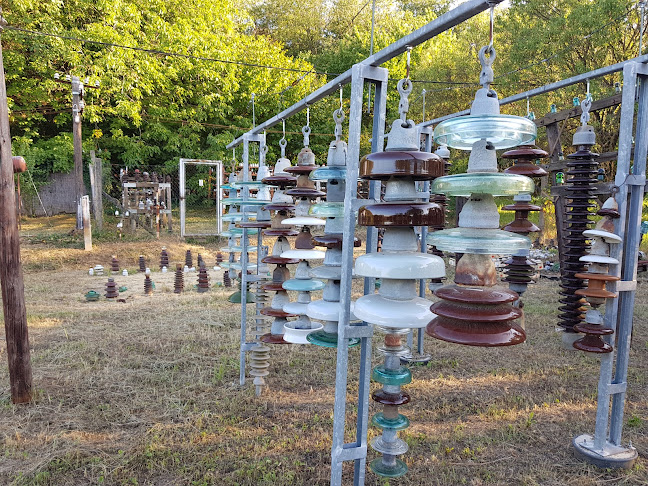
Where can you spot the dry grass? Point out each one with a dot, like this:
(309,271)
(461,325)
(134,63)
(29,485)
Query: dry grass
(145,392)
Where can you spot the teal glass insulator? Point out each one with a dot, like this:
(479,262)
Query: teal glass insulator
(328,339)
(299,285)
(239,201)
(241,184)
(239,231)
(478,241)
(494,183)
(328,173)
(238,248)
(399,423)
(399,376)
(503,131)
(388,471)
(327,210)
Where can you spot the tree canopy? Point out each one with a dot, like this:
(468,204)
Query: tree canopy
(177,77)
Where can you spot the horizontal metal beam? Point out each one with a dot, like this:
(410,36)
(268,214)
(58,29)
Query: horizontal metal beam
(596,73)
(446,21)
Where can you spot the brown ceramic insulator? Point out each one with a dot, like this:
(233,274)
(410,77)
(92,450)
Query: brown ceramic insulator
(279,207)
(254,224)
(114,264)
(219,257)
(201,262)
(178,283)
(475,333)
(580,185)
(142,263)
(521,223)
(273,339)
(227,281)
(203,280)
(418,166)
(476,270)
(524,157)
(596,285)
(273,286)
(476,317)
(188,259)
(281,273)
(403,213)
(301,169)
(390,399)
(269,311)
(148,285)
(164,258)
(304,240)
(19,164)
(333,241)
(305,192)
(111,289)
(519,270)
(280,181)
(612,213)
(592,342)
(280,232)
(277,260)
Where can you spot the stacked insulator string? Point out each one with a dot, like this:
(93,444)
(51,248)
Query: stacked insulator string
(203,279)
(400,265)
(114,265)
(111,289)
(142,263)
(148,285)
(164,258)
(178,283)
(580,186)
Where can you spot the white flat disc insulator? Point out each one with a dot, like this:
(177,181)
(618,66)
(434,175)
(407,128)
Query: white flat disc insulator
(304,254)
(405,265)
(401,314)
(295,308)
(304,221)
(599,259)
(298,336)
(325,272)
(323,310)
(606,235)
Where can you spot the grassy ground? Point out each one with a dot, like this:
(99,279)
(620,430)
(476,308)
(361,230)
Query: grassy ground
(146,391)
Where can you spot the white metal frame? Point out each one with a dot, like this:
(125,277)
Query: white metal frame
(183,192)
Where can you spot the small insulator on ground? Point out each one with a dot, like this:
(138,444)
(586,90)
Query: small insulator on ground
(114,265)
(111,289)
(219,258)
(203,280)
(148,285)
(227,281)
(142,264)
(164,258)
(189,259)
(178,284)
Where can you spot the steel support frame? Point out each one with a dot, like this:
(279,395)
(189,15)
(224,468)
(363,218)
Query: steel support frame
(439,25)
(245,194)
(605,448)
(356,451)
(183,194)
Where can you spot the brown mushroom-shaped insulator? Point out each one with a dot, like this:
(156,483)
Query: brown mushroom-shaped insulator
(203,279)
(148,285)
(164,258)
(142,264)
(178,283)
(114,264)
(111,289)
(524,157)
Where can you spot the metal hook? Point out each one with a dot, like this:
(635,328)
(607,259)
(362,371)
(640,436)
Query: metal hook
(404,88)
(487,75)
(409,51)
(586,104)
(282,144)
(338,117)
(306,131)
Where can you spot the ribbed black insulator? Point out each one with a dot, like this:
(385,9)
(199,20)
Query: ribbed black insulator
(189,259)
(580,185)
(178,283)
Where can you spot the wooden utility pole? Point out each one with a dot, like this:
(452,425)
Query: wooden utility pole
(96,182)
(78,90)
(11,276)
(77,109)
